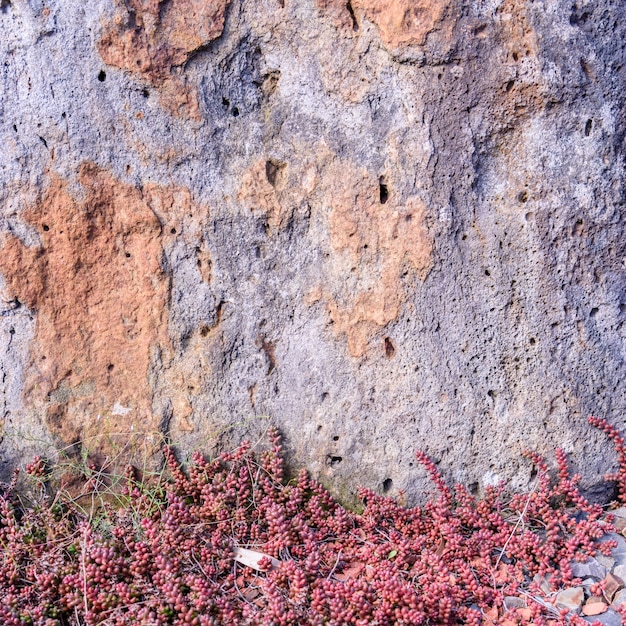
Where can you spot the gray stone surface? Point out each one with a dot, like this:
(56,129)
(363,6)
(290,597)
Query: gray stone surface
(619,552)
(384,234)
(514,602)
(606,561)
(589,569)
(620,570)
(571,599)
(620,598)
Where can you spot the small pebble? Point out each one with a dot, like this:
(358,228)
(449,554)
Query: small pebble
(570,599)
(619,598)
(595,606)
(514,602)
(609,618)
(606,561)
(612,585)
(543,582)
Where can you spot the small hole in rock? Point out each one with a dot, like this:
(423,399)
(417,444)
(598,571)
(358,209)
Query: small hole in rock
(335,460)
(532,341)
(585,67)
(11,331)
(110,367)
(319,427)
(487,273)
(509,85)
(102,76)
(46,228)
(522,196)
(383,191)
(271,171)
(127,255)
(173,231)
(390,349)
(336,438)
(225,102)
(588,126)
(235,112)
(145,93)
(387,485)
(515,56)
(594,311)
(204,331)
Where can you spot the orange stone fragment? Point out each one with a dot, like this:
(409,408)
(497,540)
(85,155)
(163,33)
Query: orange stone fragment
(492,613)
(612,585)
(594,608)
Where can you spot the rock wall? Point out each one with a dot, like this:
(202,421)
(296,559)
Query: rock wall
(386,224)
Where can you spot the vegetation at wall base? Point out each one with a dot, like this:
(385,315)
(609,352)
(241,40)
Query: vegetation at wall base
(230,541)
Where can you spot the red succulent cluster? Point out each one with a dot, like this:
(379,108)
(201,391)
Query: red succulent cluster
(171,554)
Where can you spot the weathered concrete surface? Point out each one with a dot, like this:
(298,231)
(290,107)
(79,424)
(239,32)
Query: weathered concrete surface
(387,224)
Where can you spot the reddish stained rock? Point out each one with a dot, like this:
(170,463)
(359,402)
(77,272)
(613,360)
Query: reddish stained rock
(594,606)
(381,238)
(149,38)
(400,22)
(373,237)
(407,22)
(101,301)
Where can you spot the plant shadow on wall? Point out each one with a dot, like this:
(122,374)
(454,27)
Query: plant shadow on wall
(231,541)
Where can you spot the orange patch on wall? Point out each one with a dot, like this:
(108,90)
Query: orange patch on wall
(405,22)
(150,37)
(101,301)
(382,241)
(261,190)
(524,93)
(400,22)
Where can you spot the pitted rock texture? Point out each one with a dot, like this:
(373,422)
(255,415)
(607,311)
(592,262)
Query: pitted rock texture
(101,293)
(386,225)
